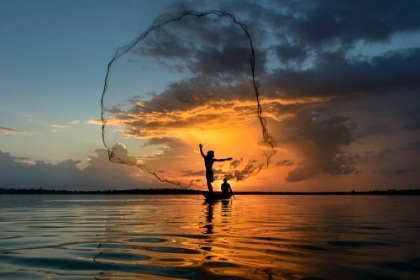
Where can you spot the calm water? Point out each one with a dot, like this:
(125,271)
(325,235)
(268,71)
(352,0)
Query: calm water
(181,237)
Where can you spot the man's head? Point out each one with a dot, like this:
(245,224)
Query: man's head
(210,154)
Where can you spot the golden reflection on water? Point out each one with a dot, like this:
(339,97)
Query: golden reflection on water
(184,237)
(216,238)
(221,238)
(256,237)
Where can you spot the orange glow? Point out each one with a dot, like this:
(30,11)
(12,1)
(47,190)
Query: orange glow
(230,129)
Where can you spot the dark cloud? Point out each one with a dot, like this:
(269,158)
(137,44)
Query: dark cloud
(168,141)
(172,148)
(375,129)
(198,90)
(410,117)
(289,54)
(251,168)
(186,104)
(335,120)
(328,22)
(309,60)
(371,158)
(163,44)
(217,63)
(211,46)
(395,172)
(236,163)
(308,25)
(214,49)
(284,162)
(412,146)
(21,158)
(335,75)
(320,146)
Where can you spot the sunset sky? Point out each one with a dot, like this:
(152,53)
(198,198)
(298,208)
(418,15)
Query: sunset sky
(339,89)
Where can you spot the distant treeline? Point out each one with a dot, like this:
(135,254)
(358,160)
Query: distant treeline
(132,191)
(188,191)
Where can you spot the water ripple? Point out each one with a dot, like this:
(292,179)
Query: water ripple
(175,237)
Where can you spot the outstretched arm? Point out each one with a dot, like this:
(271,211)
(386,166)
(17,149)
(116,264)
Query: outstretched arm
(223,159)
(201,150)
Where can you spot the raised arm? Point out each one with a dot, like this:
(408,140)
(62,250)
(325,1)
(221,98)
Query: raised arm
(201,150)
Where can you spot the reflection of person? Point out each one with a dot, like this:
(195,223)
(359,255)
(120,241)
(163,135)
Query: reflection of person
(226,190)
(208,162)
(209,219)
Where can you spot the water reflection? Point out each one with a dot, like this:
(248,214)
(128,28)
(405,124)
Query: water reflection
(169,237)
(225,214)
(226,205)
(209,217)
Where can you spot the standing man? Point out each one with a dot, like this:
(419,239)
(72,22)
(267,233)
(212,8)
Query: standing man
(208,162)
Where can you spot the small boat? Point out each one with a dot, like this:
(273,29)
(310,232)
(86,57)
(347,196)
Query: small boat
(216,196)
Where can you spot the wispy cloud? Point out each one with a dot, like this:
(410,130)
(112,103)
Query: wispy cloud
(25,161)
(56,127)
(10,131)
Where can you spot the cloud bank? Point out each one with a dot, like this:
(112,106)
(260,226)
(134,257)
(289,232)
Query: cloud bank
(320,68)
(100,175)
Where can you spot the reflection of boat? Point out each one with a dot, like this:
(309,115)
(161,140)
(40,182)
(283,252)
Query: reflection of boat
(216,196)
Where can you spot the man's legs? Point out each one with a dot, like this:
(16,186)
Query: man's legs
(209,186)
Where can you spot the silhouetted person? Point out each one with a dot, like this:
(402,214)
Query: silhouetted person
(226,190)
(208,161)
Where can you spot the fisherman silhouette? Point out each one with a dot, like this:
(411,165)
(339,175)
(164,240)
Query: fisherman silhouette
(226,190)
(208,162)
